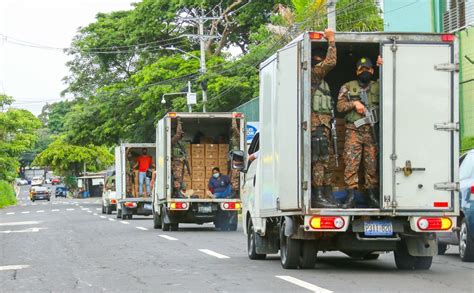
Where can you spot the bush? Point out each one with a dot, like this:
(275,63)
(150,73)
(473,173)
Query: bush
(7,194)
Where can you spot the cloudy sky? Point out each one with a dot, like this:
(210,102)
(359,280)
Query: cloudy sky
(33,75)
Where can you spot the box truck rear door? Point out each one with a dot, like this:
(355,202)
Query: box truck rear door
(418,143)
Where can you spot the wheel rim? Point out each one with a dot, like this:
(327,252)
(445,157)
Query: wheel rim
(463,240)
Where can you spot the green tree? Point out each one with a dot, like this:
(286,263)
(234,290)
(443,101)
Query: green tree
(17,135)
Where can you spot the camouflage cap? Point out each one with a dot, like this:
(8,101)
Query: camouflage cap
(364,62)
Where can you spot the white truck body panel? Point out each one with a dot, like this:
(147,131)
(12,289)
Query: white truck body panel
(423,97)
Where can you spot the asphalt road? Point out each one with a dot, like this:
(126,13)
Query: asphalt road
(68,245)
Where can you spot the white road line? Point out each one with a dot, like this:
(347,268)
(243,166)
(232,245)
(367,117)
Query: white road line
(11,213)
(103,217)
(20,223)
(98,209)
(89,211)
(45,203)
(304,284)
(141,228)
(213,253)
(40,211)
(55,210)
(110,219)
(95,214)
(29,230)
(15,267)
(69,209)
(168,237)
(55,203)
(124,222)
(25,212)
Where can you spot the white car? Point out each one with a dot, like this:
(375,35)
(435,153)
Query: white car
(37,181)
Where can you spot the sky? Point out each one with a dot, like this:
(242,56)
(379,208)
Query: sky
(33,76)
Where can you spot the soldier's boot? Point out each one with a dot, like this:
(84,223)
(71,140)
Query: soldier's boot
(319,200)
(350,201)
(329,197)
(373,199)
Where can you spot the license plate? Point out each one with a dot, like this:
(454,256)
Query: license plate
(378,228)
(205,209)
(147,206)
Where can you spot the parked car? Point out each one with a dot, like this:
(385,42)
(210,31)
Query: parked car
(60,191)
(47,181)
(464,237)
(40,192)
(55,181)
(20,181)
(37,181)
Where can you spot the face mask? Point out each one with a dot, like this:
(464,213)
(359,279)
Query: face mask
(216,175)
(365,77)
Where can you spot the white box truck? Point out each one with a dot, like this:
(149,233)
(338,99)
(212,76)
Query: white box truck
(418,153)
(169,211)
(129,203)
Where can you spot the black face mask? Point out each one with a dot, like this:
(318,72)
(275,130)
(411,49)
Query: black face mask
(365,77)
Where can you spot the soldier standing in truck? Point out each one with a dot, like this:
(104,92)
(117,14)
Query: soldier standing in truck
(177,158)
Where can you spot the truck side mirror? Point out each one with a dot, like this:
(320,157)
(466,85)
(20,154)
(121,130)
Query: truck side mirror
(237,160)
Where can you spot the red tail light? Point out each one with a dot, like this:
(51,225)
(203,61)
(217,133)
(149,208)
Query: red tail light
(327,222)
(429,224)
(447,38)
(237,115)
(231,206)
(315,35)
(113,201)
(130,204)
(472,189)
(179,206)
(172,114)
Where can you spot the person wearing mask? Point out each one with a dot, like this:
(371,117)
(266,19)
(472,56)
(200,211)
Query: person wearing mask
(360,142)
(144,162)
(219,185)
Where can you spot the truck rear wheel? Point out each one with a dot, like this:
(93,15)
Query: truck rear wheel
(103,208)
(466,245)
(164,225)
(108,210)
(119,213)
(156,221)
(309,254)
(405,261)
(252,245)
(290,250)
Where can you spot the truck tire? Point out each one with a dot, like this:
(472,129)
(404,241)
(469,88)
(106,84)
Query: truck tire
(405,261)
(108,210)
(103,209)
(119,213)
(423,262)
(309,254)
(442,248)
(252,245)
(466,244)
(164,226)
(156,221)
(130,216)
(290,250)
(174,226)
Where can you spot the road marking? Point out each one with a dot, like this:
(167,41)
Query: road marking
(55,203)
(40,211)
(15,267)
(33,204)
(124,222)
(103,217)
(304,284)
(23,205)
(110,219)
(11,213)
(69,209)
(98,209)
(95,214)
(141,228)
(89,211)
(213,253)
(29,230)
(168,237)
(45,203)
(25,212)
(20,223)
(55,210)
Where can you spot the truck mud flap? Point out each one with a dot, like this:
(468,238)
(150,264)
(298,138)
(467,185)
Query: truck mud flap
(348,242)
(268,244)
(422,244)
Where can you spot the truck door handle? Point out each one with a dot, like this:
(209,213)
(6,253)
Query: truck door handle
(254,179)
(408,169)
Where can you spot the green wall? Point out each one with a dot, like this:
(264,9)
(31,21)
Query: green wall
(466,87)
(250,110)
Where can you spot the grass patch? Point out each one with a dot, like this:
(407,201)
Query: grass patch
(7,194)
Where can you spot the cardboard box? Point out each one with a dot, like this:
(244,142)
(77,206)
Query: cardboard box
(199,175)
(189,184)
(212,148)
(223,148)
(199,184)
(223,161)
(196,162)
(199,153)
(224,169)
(212,162)
(201,193)
(198,168)
(208,172)
(197,146)
(212,156)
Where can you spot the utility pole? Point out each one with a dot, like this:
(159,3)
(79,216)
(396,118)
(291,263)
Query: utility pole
(202,38)
(331,12)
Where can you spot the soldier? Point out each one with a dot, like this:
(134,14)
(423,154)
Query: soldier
(360,141)
(321,117)
(177,161)
(234,146)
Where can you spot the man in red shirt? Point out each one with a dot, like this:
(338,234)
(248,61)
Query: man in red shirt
(144,161)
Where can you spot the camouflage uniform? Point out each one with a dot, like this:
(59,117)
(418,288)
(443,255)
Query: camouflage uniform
(177,163)
(321,174)
(235,146)
(359,144)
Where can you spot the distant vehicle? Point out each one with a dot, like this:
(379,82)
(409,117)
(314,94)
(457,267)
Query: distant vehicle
(40,192)
(60,191)
(37,181)
(47,181)
(55,181)
(20,182)
(109,194)
(464,238)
